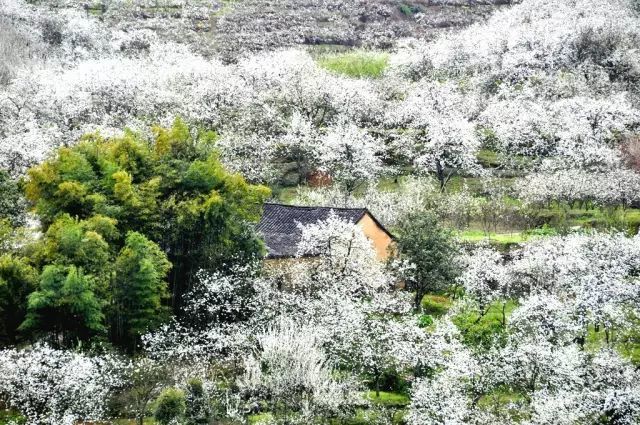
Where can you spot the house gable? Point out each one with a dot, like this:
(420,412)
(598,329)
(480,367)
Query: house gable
(380,238)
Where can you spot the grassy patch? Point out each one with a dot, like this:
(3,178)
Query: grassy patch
(493,238)
(358,64)
(503,400)
(388,398)
(367,417)
(261,417)
(284,194)
(488,158)
(564,216)
(10,416)
(475,185)
(435,305)
(482,330)
(627,342)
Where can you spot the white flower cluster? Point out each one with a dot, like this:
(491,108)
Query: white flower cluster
(55,387)
(612,188)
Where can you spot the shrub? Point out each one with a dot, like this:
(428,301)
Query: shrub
(197,410)
(170,406)
(409,11)
(425,320)
(545,230)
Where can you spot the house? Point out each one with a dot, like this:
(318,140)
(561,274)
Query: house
(279,226)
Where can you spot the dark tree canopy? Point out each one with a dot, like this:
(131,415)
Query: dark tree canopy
(17,280)
(431,248)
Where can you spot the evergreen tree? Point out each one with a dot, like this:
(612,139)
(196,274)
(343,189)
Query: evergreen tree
(140,287)
(64,307)
(170,406)
(197,406)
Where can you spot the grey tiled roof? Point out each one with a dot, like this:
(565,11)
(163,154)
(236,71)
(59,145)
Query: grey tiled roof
(279,225)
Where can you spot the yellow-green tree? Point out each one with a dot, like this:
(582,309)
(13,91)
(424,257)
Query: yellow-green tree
(172,190)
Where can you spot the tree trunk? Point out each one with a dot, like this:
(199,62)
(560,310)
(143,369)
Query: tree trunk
(417,301)
(440,175)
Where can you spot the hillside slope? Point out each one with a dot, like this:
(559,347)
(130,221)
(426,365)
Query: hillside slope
(251,25)
(234,27)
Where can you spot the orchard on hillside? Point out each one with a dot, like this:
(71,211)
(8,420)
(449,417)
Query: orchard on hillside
(497,141)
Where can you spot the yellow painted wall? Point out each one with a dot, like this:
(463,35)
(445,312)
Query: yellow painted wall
(380,239)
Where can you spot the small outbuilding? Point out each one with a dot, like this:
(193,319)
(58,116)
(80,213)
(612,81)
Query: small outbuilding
(280,227)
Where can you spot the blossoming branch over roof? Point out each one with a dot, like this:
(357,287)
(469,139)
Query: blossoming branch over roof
(280,225)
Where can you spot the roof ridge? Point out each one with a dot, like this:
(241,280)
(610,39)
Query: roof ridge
(317,207)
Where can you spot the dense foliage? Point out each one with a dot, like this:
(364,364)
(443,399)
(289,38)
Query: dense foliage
(126,224)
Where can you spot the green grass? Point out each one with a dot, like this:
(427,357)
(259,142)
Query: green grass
(357,64)
(627,343)
(481,331)
(488,158)
(505,400)
(10,416)
(566,217)
(501,396)
(260,417)
(493,238)
(474,184)
(284,194)
(388,398)
(436,305)
(367,417)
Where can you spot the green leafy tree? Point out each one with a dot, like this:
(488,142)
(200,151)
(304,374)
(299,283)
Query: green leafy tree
(432,250)
(140,287)
(64,307)
(17,280)
(173,190)
(83,244)
(170,406)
